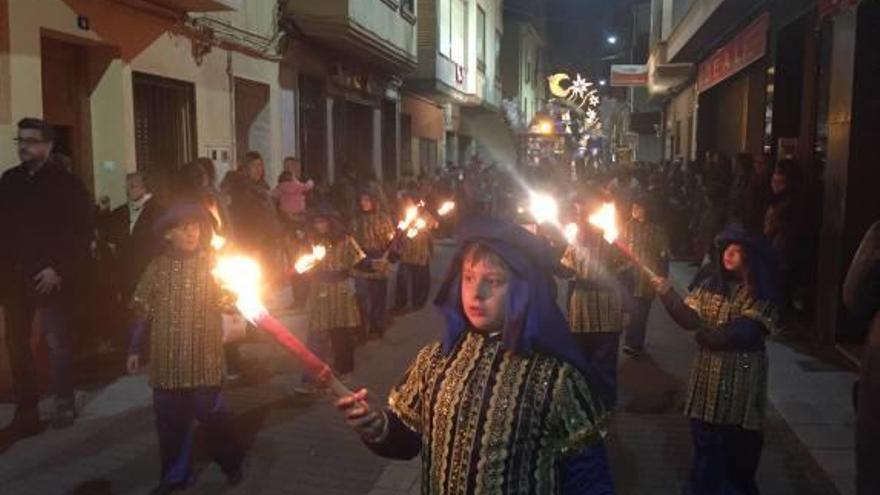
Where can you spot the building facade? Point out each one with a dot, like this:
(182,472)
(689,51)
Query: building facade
(459,44)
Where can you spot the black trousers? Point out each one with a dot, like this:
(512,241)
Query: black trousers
(601,348)
(414,278)
(371,296)
(51,318)
(726,458)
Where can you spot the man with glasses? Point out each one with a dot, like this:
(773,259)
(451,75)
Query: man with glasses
(44,235)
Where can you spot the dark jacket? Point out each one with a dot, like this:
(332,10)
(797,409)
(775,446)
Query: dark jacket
(135,248)
(45,222)
(861,294)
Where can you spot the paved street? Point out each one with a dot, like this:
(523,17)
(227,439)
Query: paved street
(304,448)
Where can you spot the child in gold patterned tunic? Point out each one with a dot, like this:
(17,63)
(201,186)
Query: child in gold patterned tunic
(731,311)
(595,307)
(179,299)
(505,403)
(373,230)
(648,241)
(332,306)
(414,273)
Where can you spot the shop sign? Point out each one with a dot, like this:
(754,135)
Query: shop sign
(740,52)
(629,75)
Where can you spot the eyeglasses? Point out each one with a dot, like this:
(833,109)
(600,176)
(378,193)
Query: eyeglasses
(28,141)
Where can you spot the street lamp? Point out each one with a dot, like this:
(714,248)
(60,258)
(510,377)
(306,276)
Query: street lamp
(602,82)
(611,39)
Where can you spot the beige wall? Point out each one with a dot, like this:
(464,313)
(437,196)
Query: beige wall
(112,110)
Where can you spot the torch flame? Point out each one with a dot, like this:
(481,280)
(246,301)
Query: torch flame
(606,220)
(418,226)
(308,261)
(445,208)
(217,241)
(241,276)
(570,231)
(411,213)
(544,208)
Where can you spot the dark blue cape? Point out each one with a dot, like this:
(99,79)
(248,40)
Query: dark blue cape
(534,320)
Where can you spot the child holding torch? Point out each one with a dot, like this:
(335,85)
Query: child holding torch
(373,230)
(332,306)
(505,402)
(732,311)
(178,298)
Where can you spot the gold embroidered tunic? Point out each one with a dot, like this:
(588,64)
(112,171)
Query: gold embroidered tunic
(492,422)
(650,244)
(373,231)
(418,250)
(725,387)
(331,302)
(595,305)
(183,301)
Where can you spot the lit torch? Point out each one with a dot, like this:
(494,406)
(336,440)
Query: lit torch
(241,276)
(307,261)
(218,242)
(605,219)
(570,231)
(544,209)
(445,208)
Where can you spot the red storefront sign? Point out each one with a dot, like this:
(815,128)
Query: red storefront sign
(748,46)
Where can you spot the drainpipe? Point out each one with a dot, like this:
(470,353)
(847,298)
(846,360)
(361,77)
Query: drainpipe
(233,154)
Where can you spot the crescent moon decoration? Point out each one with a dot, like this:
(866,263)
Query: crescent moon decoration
(554,83)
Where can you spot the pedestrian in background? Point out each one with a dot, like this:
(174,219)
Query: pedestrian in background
(46,228)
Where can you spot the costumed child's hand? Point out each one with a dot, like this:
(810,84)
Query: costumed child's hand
(661,285)
(371,424)
(133,365)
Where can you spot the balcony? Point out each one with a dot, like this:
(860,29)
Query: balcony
(381,32)
(194,5)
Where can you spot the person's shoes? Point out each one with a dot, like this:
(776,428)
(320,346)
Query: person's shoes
(631,351)
(65,414)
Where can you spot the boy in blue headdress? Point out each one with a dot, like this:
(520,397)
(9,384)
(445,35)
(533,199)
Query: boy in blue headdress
(505,403)
(731,311)
(181,303)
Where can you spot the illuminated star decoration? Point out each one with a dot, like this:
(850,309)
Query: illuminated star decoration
(579,87)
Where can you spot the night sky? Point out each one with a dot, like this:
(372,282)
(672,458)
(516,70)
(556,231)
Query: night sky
(577,32)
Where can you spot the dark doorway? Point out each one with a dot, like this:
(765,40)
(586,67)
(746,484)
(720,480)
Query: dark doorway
(66,103)
(165,128)
(253,125)
(312,128)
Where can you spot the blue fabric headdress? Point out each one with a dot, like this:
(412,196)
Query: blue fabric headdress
(534,320)
(760,258)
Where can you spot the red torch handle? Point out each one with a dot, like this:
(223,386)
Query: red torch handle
(313,365)
(629,254)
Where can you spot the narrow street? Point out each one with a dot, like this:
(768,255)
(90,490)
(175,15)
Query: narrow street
(303,447)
